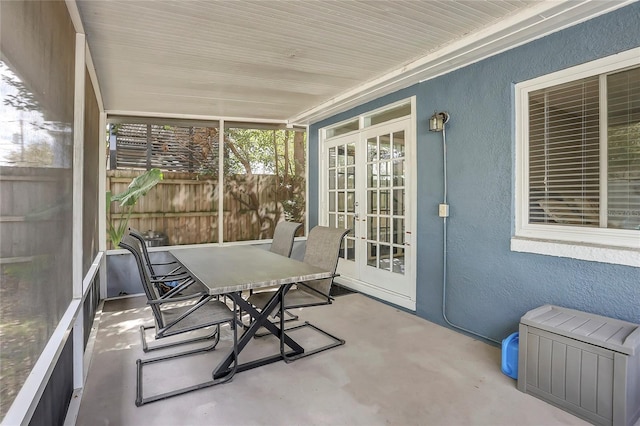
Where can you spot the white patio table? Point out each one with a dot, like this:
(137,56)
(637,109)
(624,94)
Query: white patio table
(231,269)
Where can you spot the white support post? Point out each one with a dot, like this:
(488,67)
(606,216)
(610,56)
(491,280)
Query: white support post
(221,183)
(102,202)
(78,168)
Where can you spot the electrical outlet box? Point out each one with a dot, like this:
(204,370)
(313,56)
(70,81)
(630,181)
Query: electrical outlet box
(443,210)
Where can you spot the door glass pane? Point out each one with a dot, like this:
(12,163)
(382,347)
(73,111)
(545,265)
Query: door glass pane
(341,156)
(372,228)
(385,257)
(340,201)
(341,179)
(332,201)
(373,201)
(398,231)
(398,260)
(372,175)
(351,224)
(385,147)
(341,221)
(332,157)
(398,173)
(398,202)
(351,198)
(372,149)
(372,254)
(351,177)
(351,153)
(341,252)
(385,230)
(332,179)
(398,144)
(385,202)
(351,249)
(387,115)
(343,128)
(385,173)
(332,219)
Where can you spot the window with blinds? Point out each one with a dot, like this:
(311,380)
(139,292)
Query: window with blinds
(566,152)
(623,149)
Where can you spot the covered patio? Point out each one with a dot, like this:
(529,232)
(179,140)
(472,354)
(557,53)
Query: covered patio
(484,156)
(395,369)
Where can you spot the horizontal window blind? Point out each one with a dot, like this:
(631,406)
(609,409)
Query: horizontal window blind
(564,154)
(623,133)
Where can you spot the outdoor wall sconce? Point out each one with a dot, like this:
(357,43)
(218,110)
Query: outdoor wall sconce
(437,121)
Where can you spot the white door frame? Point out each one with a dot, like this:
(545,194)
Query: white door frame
(406,301)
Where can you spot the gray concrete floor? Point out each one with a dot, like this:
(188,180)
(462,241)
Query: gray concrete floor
(395,369)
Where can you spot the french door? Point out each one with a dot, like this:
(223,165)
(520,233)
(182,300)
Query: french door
(367,189)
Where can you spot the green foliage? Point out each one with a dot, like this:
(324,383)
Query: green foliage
(128,199)
(38,154)
(253,150)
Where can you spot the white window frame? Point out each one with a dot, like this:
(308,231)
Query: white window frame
(595,244)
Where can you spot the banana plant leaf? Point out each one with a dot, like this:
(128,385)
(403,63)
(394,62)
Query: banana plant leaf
(128,199)
(138,188)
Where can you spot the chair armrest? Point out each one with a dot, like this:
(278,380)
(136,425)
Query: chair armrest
(173,262)
(178,288)
(328,296)
(169,278)
(171,273)
(200,295)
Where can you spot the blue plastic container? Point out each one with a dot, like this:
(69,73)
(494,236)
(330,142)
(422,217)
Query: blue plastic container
(510,355)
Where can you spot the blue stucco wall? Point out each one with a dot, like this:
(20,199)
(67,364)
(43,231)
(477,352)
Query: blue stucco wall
(489,287)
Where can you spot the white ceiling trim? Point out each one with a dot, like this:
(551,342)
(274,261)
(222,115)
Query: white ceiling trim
(94,78)
(192,117)
(74,14)
(531,24)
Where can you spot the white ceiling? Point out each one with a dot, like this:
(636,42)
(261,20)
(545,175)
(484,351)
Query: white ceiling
(296,60)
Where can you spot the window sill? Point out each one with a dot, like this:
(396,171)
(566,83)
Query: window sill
(581,251)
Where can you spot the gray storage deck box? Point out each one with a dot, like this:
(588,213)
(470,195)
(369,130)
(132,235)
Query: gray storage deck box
(586,364)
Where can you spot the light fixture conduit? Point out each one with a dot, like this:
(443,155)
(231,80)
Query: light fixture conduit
(437,123)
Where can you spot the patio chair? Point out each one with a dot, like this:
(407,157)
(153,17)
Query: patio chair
(173,281)
(283,238)
(322,250)
(177,282)
(282,244)
(174,316)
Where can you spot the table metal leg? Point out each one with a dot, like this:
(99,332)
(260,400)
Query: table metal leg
(260,319)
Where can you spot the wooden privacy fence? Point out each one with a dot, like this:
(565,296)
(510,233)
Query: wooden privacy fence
(33,202)
(185,209)
(35,258)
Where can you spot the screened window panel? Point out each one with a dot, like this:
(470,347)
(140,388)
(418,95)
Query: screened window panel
(564,154)
(264,180)
(623,133)
(37,62)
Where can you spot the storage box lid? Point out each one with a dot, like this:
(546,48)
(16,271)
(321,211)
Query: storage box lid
(609,333)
